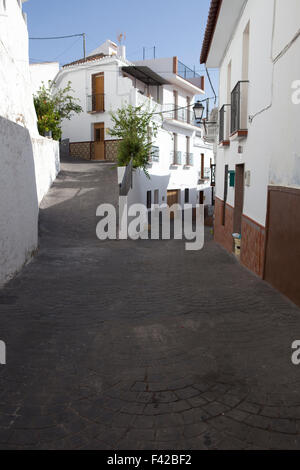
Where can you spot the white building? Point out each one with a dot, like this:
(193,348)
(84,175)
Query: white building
(28,162)
(42,74)
(256,46)
(106,81)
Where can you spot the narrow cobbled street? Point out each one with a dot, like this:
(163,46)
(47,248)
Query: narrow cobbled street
(124,344)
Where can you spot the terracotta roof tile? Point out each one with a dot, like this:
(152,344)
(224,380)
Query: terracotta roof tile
(87,59)
(213,16)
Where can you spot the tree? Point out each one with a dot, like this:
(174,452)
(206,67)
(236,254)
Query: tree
(53,106)
(136,128)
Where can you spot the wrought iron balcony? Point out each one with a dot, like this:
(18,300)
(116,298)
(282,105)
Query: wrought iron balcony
(95,103)
(189,159)
(154,156)
(239,108)
(223,124)
(182,114)
(176,158)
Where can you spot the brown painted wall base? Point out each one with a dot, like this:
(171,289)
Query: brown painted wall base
(223,233)
(253,237)
(282,267)
(253,246)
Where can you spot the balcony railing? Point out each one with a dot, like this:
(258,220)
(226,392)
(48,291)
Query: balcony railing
(185,72)
(239,107)
(170,111)
(176,158)
(154,157)
(189,159)
(95,103)
(223,133)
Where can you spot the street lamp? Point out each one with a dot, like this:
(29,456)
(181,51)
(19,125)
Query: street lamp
(198,111)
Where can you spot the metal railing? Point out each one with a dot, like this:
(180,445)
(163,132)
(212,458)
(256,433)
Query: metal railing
(176,158)
(95,103)
(154,156)
(239,102)
(185,72)
(222,124)
(182,114)
(189,159)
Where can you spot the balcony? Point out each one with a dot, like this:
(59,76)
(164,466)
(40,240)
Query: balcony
(185,72)
(239,110)
(176,158)
(181,114)
(224,126)
(154,156)
(189,159)
(95,103)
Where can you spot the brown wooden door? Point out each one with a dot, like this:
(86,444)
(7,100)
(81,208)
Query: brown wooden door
(173,198)
(99,149)
(239,198)
(98,92)
(282,258)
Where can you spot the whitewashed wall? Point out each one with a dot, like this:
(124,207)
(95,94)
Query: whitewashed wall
(271,151)
(46,164)
(42,74)
(120,91)
(18,199)
(28,162)
(16,101)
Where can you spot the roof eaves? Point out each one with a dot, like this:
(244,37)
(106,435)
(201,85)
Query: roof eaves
(214,11)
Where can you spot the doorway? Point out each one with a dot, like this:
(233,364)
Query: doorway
(99,141)
(98,92)
(173,197)
(239,198)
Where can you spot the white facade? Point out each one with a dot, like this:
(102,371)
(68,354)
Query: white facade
(121,89)
(28,163)
(256,46)
(271,150)
(42,74)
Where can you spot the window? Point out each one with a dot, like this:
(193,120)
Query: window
(187,196)
(202,166)
(176,154)
(97,98)
(156,196)
(227,124)
(201,197)
(154,154)
(149,199)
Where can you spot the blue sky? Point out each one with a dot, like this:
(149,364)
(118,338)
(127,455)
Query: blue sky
(174,27)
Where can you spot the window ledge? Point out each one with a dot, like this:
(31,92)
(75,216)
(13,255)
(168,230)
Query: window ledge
(239,135)
(96,112)
(224,143)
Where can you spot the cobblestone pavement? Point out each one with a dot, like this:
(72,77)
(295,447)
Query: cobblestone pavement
(141,345)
